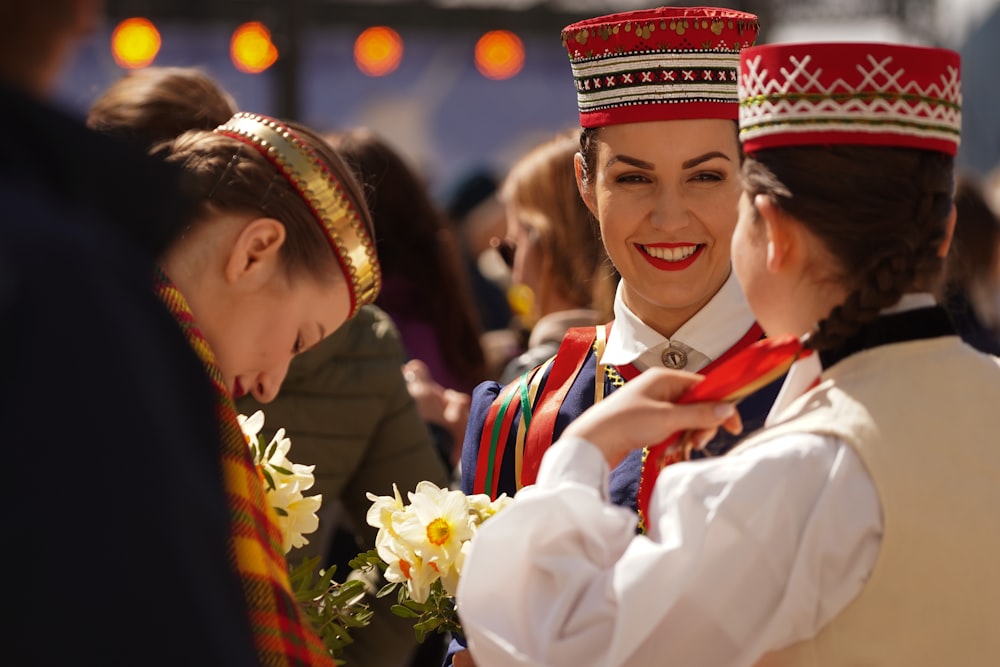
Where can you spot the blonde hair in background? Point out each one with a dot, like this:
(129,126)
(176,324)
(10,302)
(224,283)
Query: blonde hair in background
(542,185)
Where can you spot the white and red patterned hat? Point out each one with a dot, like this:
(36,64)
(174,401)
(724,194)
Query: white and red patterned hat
(667,63)
(850,93)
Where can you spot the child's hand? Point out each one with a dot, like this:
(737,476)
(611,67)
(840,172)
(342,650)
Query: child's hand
(642,413)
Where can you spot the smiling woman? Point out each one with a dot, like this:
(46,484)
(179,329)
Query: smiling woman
(659,168)
(665,193)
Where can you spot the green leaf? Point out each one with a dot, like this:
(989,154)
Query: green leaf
(387,589)
(400,610)
(268,478)
(368,560)
(269,452)
(333,609)
(414,605)
(429,624)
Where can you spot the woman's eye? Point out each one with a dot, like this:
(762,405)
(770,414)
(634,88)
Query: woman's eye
(708,176)
(632,178)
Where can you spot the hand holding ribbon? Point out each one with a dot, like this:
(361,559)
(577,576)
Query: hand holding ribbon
(634,415)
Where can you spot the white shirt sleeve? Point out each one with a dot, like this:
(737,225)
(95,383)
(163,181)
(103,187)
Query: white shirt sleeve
(745,554)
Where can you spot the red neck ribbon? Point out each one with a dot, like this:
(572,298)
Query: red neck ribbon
(730,378)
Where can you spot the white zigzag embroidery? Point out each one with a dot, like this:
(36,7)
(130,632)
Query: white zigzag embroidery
(878,78)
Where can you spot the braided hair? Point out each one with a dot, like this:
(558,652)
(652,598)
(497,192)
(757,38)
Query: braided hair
(882,214)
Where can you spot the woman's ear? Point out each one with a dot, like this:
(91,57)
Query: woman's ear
(780,241)
(949,233)
(584,183)
(255,254)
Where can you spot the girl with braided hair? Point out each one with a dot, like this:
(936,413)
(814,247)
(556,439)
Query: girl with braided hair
(858,526)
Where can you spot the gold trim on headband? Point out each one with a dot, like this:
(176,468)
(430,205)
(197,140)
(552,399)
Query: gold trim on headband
(325,196)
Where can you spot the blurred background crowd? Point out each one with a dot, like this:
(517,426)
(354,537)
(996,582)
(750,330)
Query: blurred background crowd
(460,85)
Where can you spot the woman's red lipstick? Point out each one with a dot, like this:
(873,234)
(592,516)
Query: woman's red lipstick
(669,265)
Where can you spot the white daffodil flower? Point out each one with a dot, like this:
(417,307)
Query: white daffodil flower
(436,524)
(296,514)
(484,508)
(383,507)
(406,567)
(427,541)
(251,425)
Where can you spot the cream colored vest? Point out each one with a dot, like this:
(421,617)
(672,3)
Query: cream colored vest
(924,416)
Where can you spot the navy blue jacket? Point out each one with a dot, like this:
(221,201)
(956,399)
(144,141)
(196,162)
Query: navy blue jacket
(624,479)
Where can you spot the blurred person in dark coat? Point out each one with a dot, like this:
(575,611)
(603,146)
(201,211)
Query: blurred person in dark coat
(115,494)
(972,271)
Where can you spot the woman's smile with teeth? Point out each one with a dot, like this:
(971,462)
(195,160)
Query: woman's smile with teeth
(673,254)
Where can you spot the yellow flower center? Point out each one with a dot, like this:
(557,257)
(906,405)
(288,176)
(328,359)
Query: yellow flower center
(404,567)
(438,532)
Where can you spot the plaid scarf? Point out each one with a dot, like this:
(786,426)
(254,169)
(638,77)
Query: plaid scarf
(282,635)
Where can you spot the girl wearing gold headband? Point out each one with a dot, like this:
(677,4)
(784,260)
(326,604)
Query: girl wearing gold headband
(278,256)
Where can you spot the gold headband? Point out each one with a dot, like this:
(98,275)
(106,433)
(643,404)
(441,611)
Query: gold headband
(322,192)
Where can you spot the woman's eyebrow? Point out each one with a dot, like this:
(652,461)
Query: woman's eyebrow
(695,161)
(628,159)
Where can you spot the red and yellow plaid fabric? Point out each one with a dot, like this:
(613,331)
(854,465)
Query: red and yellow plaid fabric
(282,634)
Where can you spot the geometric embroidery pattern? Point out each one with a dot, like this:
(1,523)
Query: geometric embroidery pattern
(662,77)
(640,65)
(886,94)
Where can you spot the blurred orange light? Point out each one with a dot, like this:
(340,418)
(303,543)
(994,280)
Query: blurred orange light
(499,54)
(135,43)
(251,48)
(378,51)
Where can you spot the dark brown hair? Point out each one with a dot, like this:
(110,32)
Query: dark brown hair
(542,185)
(880,212)
(224,174)
(157,104)
(417,245)
(173,110)
(588,149)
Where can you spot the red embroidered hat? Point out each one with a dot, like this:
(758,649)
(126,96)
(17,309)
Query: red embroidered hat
(668,63)
(851,93)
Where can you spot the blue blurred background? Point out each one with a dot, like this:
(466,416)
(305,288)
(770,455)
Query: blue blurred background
(448,118)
